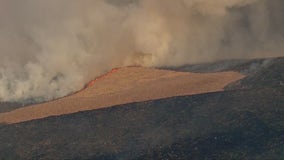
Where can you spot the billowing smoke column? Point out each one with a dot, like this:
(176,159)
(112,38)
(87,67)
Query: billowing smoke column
(50,48)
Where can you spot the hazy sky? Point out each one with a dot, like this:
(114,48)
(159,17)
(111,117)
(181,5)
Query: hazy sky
(50,48)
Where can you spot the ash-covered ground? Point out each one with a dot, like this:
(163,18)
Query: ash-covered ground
(244,122)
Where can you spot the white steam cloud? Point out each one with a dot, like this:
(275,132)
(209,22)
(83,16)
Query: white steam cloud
(50,48)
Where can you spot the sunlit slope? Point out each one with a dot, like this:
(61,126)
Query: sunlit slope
(235,125)
(126,85)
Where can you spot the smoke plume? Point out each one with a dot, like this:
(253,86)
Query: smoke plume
(50,48)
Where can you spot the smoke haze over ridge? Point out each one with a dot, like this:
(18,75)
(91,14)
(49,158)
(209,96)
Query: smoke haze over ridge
(51,48)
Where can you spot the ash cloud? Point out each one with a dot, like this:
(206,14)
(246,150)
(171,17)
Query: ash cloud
(52,48)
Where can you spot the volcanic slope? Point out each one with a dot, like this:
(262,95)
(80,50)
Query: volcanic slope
(126,85)
(243,122)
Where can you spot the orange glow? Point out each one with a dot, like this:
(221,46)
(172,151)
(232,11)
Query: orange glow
(91,83)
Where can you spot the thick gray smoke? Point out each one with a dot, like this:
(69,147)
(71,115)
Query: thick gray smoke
(50,48)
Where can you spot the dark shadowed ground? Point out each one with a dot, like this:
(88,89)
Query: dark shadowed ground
(244,122)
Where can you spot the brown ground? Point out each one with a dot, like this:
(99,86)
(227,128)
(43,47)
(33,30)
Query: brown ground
(126,85)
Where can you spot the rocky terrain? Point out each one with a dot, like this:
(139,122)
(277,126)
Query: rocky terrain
(242,121)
